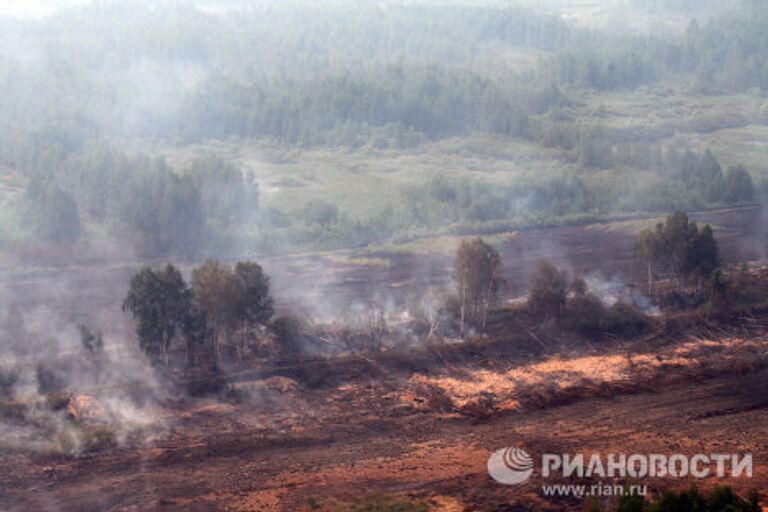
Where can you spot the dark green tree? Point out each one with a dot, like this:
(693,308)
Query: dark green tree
(159,302)
(703,255)
(650,249)
(679,248)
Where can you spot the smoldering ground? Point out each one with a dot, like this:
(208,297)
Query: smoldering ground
(71,380)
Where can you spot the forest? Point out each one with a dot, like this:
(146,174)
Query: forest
(117,136)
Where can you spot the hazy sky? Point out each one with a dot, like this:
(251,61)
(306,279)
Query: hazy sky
(35,8)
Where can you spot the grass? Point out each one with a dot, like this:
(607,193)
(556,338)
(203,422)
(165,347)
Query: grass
(363,182)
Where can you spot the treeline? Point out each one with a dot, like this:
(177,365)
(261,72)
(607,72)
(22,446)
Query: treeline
(225,315)
(691,180)
(398,105)
(211,207)
(85,83)
(415,71)
(727,55)
(138,198)
(407,103)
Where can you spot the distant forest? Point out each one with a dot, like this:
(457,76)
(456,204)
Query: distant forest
(77,86)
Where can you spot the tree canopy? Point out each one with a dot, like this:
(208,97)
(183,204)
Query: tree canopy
(477,271)
(680,248)
(159,302)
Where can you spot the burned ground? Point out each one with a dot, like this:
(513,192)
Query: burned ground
(347,443)
(421,423)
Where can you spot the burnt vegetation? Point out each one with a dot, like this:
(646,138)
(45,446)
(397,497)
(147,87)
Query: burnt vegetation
(224,321)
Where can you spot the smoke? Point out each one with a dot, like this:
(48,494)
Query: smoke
(614,289)
(58,396)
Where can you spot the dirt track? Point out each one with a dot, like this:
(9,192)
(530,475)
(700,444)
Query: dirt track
(355,442)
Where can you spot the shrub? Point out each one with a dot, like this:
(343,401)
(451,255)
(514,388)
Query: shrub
(98,438)
(625,320)
(740,290)
(585,314)
(290,332)
(548,290)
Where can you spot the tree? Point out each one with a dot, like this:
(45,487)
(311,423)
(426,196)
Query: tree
(54,213)
(229,194)
(227,305)
(290,332)
(477,267)
(159,301)
(197,335)
(216,293)
(254,305)
(650,249)
(162,212)
(549,290)
(680,248)
(254,302)
(738,185)
(709,178)
(703,255)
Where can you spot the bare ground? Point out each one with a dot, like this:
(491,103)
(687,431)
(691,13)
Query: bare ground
(344,443)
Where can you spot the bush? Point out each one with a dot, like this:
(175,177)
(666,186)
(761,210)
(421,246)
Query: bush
(587,315)
(740,290)
(290,332)
(625,320)
(549,290)
(584,314)
(98,438)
